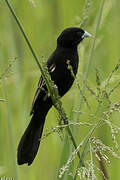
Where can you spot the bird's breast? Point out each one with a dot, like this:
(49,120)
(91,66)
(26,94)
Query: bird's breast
(64,75)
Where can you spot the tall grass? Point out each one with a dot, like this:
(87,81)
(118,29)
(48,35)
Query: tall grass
(96,129)
(10,130)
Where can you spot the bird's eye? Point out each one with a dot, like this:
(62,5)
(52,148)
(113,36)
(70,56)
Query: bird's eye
(79,34)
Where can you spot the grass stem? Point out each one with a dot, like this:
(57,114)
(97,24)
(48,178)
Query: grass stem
(50,89)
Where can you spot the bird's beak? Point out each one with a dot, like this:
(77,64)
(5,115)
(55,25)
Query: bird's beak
(86,34)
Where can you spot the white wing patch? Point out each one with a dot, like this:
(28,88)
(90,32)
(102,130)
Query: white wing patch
(52,68)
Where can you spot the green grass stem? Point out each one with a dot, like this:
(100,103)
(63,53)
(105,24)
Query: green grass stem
(85,78)
(90,57)
(12,142)
(50,89)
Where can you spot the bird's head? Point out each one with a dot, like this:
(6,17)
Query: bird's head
(71,37)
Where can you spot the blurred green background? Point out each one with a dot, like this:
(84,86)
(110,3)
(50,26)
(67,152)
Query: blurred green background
(43,21)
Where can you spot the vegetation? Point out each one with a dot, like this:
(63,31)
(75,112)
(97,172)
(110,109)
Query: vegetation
(92,105)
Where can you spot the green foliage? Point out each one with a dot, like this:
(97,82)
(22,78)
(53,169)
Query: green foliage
(92,105)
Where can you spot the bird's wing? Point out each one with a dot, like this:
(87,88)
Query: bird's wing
(41,88)
(41,85)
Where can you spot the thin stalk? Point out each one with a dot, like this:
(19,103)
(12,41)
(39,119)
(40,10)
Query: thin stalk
(85,78)
(90,57)
(66,151)
(27,41)
(50,89)
(10,126)
(86,145)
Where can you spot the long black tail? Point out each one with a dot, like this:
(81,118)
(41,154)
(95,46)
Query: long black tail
(30,141)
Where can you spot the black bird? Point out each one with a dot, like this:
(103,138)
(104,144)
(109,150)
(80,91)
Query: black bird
(66,51)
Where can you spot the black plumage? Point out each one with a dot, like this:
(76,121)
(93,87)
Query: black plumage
(66,51)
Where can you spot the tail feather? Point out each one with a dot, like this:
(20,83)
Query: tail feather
(30,141)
